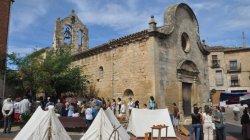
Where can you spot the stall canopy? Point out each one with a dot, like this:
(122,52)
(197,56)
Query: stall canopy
(245,99)
(43,125)
(232,97)
(106,127)
(141,121)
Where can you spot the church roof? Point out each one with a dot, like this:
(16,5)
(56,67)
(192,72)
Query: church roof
(114,43)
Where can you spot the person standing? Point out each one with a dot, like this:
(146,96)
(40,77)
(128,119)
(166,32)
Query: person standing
(245,122)
(17,109)
(59,107)
(25,106)
(236,111)
(7,111)
(151,103)
(119,105)
(88,115)
(130,105)
(196,123)
(113,106)
(176,117)
(207,124)
(219,124)
(123,108)
(137,104)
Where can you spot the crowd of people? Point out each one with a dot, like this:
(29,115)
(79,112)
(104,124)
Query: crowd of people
(205,122)
(20,109)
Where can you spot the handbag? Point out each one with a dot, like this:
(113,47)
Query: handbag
(213,125)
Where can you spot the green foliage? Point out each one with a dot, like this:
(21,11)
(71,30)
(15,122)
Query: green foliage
(48,72)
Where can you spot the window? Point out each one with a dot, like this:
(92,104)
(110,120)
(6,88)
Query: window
(219,78)
(233,64)
(100,72)
(185,43)
(215,61)
(234,80)
(80,37)
(214,57)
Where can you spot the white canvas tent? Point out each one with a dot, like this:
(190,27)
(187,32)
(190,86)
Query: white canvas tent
(43,125)
(104,126)
(141,121)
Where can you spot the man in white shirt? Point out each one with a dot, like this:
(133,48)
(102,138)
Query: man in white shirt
(7,111)
(25,106)
(130,105)
(236,111)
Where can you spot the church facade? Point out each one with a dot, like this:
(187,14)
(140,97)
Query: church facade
(168,62)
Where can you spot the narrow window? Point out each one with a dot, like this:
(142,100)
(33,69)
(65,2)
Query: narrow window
(234,80)
(100,72)
(219,78)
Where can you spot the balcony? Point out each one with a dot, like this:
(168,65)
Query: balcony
(215,64)
(235,68)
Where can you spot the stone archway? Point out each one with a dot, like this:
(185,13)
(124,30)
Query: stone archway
(128,92)
(187,74)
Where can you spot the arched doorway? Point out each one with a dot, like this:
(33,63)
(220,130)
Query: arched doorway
(187,74)
(128,92)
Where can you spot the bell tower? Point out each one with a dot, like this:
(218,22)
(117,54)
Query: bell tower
(71,33)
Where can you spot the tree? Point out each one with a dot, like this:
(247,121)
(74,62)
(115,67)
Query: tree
(47,71)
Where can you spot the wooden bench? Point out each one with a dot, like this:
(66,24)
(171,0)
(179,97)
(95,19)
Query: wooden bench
(73,122)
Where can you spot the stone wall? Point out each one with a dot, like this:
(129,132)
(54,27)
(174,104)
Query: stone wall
(126,67)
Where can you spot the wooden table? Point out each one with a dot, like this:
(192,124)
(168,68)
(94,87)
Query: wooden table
(73,122)
(159,127)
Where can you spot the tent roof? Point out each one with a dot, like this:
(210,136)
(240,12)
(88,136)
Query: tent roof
(103,126)
(41,125)
(234,93)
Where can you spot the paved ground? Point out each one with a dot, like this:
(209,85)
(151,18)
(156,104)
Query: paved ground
(233,130)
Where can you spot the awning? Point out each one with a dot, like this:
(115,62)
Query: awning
(231,95)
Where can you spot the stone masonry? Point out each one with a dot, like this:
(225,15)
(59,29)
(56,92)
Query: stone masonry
(168,62)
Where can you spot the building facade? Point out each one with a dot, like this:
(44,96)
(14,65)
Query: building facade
(5,6)
(229,69)
(168,62)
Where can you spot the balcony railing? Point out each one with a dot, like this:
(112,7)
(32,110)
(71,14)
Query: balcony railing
(215,63)
(236,68)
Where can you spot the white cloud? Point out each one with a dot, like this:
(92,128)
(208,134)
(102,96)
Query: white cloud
(21,50)
(125,16)
(26,12)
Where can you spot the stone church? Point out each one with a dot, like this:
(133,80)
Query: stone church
(168,62)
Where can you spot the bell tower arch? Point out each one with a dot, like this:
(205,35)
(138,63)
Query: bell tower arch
(71,33)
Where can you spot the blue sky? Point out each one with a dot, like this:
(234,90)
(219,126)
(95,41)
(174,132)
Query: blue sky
(32,21)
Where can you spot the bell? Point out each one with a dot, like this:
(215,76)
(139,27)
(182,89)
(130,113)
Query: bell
(67,34)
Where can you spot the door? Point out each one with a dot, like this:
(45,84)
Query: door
(186,94)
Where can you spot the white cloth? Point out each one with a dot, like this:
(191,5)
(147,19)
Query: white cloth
(25,106)
(103,127)
(141,121)
(7,106)
(41,125)
(236,108)
(88,114)
(207,118)
(123,109)
(17,107)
